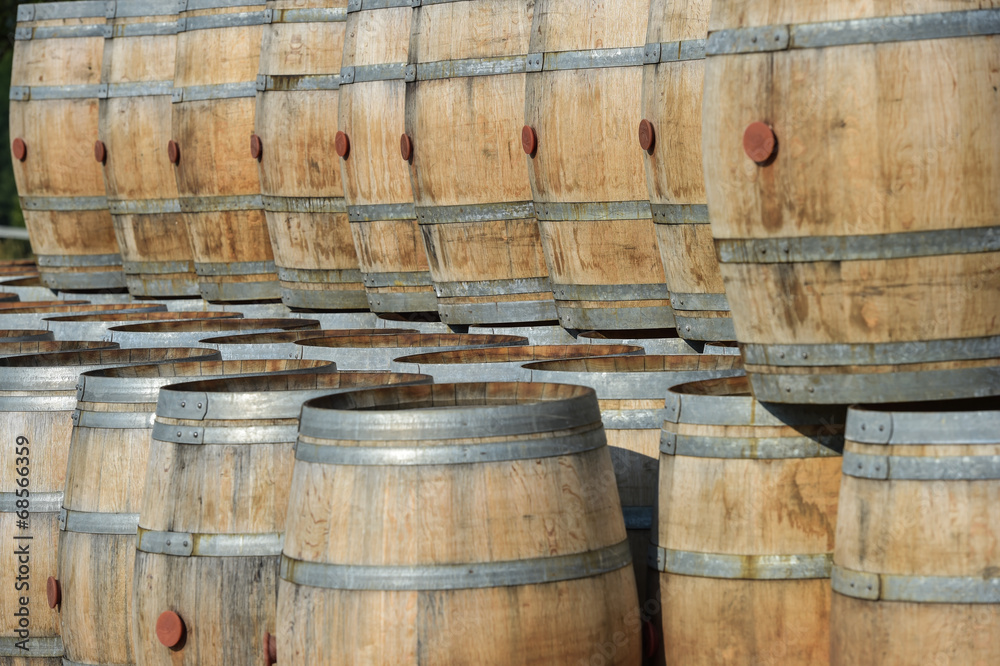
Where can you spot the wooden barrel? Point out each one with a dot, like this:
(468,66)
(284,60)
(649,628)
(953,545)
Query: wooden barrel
(541,334)
(9,348)
(376,180)
(376,352)
(191,332)
(300,178)
(582,100)
(245,432)
(670,138)
(138,75)
(55,84)
(211,124)
(536,570)
(499,364)
(282,344)
(95,326)
(849,172)
(25,335)
(32,314)
(630,392)
(747,504)
(38,399)
(915,568)
(656,341)
(464,113)
(108,454)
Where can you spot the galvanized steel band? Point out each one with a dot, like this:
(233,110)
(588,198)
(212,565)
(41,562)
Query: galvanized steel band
(632,419)
(67,662)
(213,21)
(737,410)
(297,82)
(78,260)
(638,517)
(741,567)
(751,448)
(472,289)
(234,268)
(698,302)
(878,353)
(631,56)
(98,522)
(143,206)
(27,33)
(42,404)
(41,646)
(64,203)
(303,204)
(235,90)
(37,502)
(586,318)
(397,279)
(48,11)
(215,204)
(610,292)
(916,589)
(306,15)
(623,385)
(116,420)
(156,267)
(188,544)
(687,49)
(871,426)
(194,5)
(592,211)
(142,29)
(139,89)
(901,245)
(705,328)
(142,8)
(326,276)
(485,212)
(73,91)
(454,454)
(464,313)
(471,67)
(679,213)
(379,212)
(462,576)
(880,30)
(390,71)
(232,434)
(913,468)
(369,5)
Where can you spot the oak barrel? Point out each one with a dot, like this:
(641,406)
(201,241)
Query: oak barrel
(9,348)
(464,113)
(582,96)
(37,403)
(457,549)
(300,181)
(747,505)
(195,531)
(915,567)
(654,341)
(108,455)
(376,352)
(376,181)
(670,137)
(95,326)
(191,332)
(34,313)
(630,392)
(134,123)
(55,85)
(211,124)
(850,160)
(282,344)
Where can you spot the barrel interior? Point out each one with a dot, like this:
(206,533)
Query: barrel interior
(520,354)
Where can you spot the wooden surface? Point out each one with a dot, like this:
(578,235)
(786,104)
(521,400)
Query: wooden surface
(746,507)
(60,135)
(422,515)
(135,131)
(896,155)
(372,114)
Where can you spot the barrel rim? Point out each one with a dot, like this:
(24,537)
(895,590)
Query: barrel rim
(453,356)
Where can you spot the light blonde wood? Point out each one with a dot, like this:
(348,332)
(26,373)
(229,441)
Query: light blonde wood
(918,528)
(422,515)
(895,155)
(746,507)
(222,488)
(463,128)
(372,115)
(135,132)
(213,136)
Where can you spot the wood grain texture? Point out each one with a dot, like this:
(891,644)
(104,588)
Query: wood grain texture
(896,156)
(372,115)
(423,515)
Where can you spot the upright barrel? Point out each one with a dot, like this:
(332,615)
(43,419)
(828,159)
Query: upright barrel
(915,568)
(581,109)
(376,352)
(229,535)
(215,85)
(747,508)
(464,113)
(670,137)
(138,75)
(850,161)
(108,454)
(446,560)
(38,399)
(54,89)
(300,177)
(377,186)
(193,331)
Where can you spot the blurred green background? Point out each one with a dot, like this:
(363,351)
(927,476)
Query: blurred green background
(10,208)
